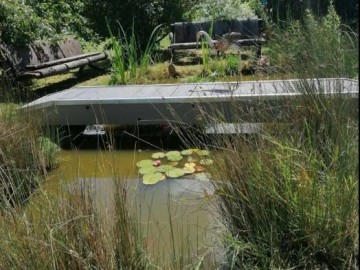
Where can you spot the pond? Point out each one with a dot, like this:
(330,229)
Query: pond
(172,214)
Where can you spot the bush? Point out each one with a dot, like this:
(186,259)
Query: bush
(142,16)
(47,19)
(220,10)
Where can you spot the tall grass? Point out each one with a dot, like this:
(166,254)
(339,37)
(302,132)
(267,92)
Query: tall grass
(291,199)
(67,231)
(127,63)
(71,228)
(25,155)
(205,53)
(288,195)
(316,47)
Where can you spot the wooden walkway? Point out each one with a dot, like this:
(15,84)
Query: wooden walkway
(183,103)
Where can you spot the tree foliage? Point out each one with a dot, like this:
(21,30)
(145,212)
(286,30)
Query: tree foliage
(284,10)
(19,23)
(144,15)
(221,10)
(24,21)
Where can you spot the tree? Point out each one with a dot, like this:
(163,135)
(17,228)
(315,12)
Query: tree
(24,21)
(144,15)
(284,10)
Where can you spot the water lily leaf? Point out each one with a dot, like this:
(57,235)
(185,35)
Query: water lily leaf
(144,163)
(190,165)
(189,170)
(187,152)
(173,153)
(175,172)
(174,158)
(206,161)
(203,152)
(158,155)
(153,178)
(164,168)
(147,170)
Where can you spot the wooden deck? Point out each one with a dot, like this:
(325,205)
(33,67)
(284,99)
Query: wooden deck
(183,103)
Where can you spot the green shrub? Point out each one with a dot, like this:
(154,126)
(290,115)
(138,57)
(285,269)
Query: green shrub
(22,22)
(220,10)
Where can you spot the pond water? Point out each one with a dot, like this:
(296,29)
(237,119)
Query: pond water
(185,203)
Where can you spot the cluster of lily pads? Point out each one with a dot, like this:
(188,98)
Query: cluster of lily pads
(173,164)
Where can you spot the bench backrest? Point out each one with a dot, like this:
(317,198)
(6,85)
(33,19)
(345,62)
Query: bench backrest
(186,31)
(39,52)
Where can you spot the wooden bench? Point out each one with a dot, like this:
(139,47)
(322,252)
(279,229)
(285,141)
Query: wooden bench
(183,34)
(42,59)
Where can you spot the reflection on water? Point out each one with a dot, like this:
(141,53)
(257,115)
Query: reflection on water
(173,214)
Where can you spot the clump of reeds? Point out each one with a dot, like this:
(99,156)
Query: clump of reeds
(128,62)
(288,195)
(289,199)
(70,231)
(25,156)
(321,47)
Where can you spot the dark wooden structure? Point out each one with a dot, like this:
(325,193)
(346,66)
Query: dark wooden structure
(183,34)
(42,59)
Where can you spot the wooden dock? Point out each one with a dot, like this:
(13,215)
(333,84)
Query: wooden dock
(183,103)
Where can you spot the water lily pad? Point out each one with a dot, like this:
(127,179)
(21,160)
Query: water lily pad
(187,152)
(175,172)
(174,156)
(164,168)
(158,155)
(206,161)
(144,163)
(189,170)
(153,178)
(203,152)
(190,164)
(173,153)
(147,170)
